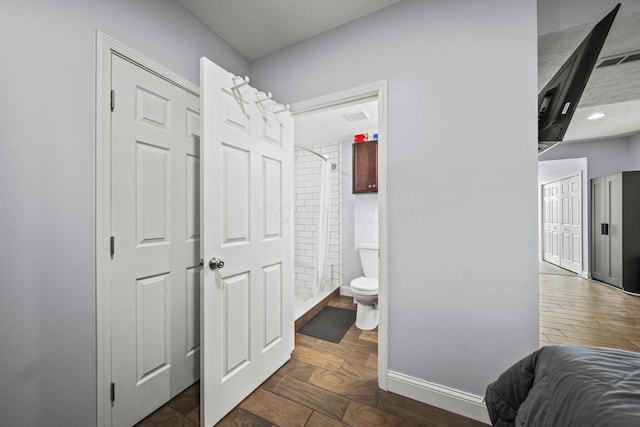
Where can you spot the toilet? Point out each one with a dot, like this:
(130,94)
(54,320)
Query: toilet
(365,288)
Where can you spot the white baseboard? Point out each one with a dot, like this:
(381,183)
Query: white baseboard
(459,402)
(346,291)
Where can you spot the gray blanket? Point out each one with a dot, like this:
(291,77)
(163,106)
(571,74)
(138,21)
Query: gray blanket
(568,386)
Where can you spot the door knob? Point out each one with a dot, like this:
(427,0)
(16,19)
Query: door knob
(215,263)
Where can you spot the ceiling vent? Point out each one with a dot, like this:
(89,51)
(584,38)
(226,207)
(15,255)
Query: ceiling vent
(357,116)
(619,59)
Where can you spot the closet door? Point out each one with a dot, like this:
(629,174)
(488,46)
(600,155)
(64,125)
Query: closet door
(550,221)
(571,223)
(155,260)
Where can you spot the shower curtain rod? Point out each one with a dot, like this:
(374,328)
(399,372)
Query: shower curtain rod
(326,159)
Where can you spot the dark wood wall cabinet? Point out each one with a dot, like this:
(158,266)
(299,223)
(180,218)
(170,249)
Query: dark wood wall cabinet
(365,167)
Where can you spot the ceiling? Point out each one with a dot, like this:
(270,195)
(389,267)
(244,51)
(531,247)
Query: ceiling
(332,125)
(255,28)
(613,90)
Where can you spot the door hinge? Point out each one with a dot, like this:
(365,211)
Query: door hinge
(113,246)
(113,100)
(113,392)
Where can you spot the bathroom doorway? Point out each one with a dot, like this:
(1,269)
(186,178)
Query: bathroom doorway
(330,221)
(325,127)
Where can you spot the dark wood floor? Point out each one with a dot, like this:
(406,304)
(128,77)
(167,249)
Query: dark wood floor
(324,384)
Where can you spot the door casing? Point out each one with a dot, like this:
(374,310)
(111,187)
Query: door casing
(355,95)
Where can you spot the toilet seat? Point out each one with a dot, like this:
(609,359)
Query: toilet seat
(365,285)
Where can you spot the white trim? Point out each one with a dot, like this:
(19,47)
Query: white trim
(571,175)
(105,47)
(356,94)
(449,399)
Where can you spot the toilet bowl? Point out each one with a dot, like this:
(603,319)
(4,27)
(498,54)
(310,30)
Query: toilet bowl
(365,288)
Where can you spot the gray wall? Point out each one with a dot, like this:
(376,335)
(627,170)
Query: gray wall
(47,176)
(462,172)
(634,152)
(604,157)
(359,219)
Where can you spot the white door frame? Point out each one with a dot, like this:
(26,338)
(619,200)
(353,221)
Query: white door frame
(105,47)
(357,94)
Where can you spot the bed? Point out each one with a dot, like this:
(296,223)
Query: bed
(568,386)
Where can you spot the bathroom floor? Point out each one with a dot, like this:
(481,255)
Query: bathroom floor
(324,384)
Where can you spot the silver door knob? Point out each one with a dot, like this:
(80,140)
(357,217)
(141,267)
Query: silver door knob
(215,263)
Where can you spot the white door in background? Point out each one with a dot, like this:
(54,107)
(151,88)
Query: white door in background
(550,223)
(571,223)
(246,196)
(155,227)
(562,223)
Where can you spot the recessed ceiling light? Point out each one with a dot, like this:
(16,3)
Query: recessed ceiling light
(596,116)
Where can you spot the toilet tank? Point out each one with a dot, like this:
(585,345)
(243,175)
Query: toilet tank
(369,259)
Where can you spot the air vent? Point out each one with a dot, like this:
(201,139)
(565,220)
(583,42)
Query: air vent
(630,58)
(357,116)
(619,59)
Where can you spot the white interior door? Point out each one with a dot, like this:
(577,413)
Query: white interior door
(246,199)
(155,226)
(562,223)
(550,223)
(571,223)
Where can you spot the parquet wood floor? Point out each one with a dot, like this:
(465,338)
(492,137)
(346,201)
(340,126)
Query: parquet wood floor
(323,385)
(577,311)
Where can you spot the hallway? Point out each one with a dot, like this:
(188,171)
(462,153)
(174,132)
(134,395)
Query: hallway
(577,311)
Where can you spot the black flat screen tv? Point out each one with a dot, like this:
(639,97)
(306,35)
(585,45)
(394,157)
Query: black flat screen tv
(558,100)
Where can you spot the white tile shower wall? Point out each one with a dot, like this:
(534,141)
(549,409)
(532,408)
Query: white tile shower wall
(306,201)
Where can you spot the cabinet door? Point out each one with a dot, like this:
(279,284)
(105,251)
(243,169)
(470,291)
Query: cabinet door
(365,167)
(599,240)
(614,210)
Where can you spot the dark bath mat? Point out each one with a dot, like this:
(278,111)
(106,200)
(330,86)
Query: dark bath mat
(330,324)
